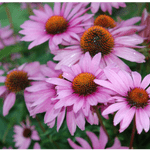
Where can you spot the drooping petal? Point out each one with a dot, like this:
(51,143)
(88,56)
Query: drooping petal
(8,103)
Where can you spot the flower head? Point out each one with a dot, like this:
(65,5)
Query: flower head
(132,98)
(97,143)
(61,24)
(24,134)
(78,92)
(16,81)
(106,6)
(111,43)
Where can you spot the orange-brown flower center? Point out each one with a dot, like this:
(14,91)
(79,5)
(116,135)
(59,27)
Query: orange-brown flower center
(97,39)
(56,25)
(83,84)
(27,132)
(138,97)
(16,81)
(104,21)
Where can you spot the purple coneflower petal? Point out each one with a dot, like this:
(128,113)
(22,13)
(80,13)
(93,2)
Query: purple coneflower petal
(144,119)
(127,119)
(8,103)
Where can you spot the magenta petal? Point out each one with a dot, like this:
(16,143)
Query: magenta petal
(2,89)
(71,123)
(25,144)
(112,108)
(36,146)
(8,103)
(83,143)
(2,79)
(68,9)
(136,78)
(94,140)
(138,122)
(95,7)
(80,120)
(129,54)
(60,118)
(144,119)
(145,81)
(35,135)
(116,145)
(57,6)
(120,114)
(73,145)
(58,81)
(103,139)
(127,119)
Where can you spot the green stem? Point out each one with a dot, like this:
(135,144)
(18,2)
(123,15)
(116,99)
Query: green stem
(9,15)
(147,6)
(132,135)
(29,9)
(45,131)
(101,122)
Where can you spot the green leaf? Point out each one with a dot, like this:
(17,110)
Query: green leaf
(9,50)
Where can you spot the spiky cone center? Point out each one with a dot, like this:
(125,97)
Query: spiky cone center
(138,97)
(104,21)
(56,25)
(27,132)
(97,39)
(83,84)
(17,81)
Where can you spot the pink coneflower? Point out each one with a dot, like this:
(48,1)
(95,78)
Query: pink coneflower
(78,90)
(106,6)
(38,96)
(6,37)
(97,143)
(132,98)
(127,27)
(63,23)
(16,81)
(38,100)
(24,134)
(111,45)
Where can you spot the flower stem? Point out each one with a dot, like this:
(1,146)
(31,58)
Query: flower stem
(9,15)
(37,118)
(29,9)
(132,134)
(147,6)
(101,122)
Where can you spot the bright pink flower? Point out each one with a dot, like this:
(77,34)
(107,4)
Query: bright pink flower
(24,134)
(132,98)
(145,21)
(38,96)
(94,40)
(6,37)
(97,143)
(106,6)
(16,81)
(78,92)
(36,146)
(127,27)
(61,24)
